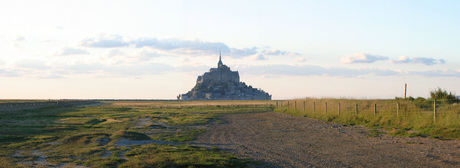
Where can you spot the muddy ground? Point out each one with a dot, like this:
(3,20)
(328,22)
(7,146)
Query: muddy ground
(282,140)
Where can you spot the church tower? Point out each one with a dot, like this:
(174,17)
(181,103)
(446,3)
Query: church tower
(219,64)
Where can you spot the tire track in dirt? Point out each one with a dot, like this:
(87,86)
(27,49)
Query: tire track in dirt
(281,140)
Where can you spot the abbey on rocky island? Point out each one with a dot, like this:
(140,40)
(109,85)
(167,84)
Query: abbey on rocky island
(221,83)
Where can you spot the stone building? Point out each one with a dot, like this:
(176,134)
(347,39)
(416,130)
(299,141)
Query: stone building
(221,83)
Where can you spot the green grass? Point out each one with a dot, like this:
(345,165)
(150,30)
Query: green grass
(87,136)
(414,118)
(180,156)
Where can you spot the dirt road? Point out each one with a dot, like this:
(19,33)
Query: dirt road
(282,140)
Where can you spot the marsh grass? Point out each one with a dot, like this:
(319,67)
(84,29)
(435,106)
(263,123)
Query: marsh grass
(153,155)
(413,119)
(87,136)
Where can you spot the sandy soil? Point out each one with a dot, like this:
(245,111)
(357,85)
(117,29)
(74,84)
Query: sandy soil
(282,140)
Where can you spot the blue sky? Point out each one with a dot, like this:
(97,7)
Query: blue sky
(291,49)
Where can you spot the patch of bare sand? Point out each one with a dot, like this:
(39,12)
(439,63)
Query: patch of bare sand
(282,140)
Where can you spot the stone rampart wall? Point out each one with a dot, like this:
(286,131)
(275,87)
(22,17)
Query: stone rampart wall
(218,77)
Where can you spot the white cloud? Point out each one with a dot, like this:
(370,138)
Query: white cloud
(438,73)
(105,41)
(174,43)
(313,70)
(46,70)
(147,54)
(362,58)
(17,42)
(32,64)
(9,73)
(256,57)
(128,56)
(301,60)
(417,60)
(115,57)
(71,51)
(175,46)
(20,38)
(244,52)
(274,52)
(279,52)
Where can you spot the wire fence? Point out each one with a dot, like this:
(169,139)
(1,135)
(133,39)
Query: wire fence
(434,109)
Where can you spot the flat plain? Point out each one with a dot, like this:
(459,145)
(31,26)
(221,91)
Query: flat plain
(117,134)
(205,134)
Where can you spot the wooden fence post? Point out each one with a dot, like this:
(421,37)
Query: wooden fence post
(295,105)
(398,106)
(288,105)
(314,107)
(434,110)
(325,108)
(357,109)
(339,109)
(375,110)
(304,106)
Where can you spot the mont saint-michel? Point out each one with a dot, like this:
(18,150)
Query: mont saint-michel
(221,83)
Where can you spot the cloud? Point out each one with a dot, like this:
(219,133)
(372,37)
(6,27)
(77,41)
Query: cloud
(313,70)
(127,56)
(243,52)
(20,38)
(8,73)
(105,41)
(256,57)
(175,46)
(193,47)
(273,52)
(279,52)
(174,43)
(362,58)
(417,60)
(438,73)
(146,55)
(43,70)
(301,60)
(114,53)
(71,51)
(32,64)
(115,57)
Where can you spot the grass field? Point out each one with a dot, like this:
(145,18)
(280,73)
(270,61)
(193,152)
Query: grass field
(89,136)
(414,117)
(67,137)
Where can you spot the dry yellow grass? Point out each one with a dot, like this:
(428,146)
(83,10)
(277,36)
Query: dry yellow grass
(401,114)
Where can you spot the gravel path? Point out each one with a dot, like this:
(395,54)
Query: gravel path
(282,140)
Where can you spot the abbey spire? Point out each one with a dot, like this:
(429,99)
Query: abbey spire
(219,64)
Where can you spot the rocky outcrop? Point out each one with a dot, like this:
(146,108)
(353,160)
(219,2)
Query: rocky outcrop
(223,84)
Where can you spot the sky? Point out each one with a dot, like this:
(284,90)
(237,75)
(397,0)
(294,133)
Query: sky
(138,49)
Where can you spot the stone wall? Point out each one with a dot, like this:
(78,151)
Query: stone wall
(219,77)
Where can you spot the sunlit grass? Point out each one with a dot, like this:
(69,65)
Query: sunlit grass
(180,156)
(382,114)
